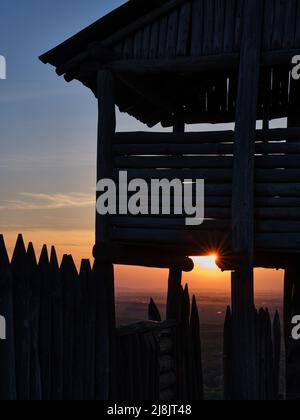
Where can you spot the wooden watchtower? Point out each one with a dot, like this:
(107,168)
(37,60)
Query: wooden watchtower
(179,62)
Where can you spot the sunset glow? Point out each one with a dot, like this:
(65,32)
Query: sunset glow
(207,263)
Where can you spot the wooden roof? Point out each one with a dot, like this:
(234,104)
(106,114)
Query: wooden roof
(157,50)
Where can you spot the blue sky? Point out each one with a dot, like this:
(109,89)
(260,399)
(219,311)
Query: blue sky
(48,127)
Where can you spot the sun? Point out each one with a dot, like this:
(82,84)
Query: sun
(208,263)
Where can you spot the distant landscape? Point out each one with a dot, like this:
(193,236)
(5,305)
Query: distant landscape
(133,307)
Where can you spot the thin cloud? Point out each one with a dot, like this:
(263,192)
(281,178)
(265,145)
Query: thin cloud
(31,201)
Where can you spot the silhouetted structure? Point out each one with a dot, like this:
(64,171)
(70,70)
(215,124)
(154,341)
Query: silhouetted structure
(181,62)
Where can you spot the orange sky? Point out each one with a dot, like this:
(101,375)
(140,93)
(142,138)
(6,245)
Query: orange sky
(79,243)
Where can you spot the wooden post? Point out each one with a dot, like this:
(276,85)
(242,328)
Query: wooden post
(243,202)
(175,275)
(8,386)
(292,281)
(21,319)
(104,271)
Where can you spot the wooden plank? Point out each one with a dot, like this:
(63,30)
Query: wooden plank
(128,48)
(197,27)
(21,288)
(184,27)
(208,30)
(68,276)
(219,27)
(89,310)
(229,26)
(154,38)
(8,385)
(146,41)
(57,330)
(268,24)
(163,29)
(45,324)
(172,34)
(239,25)
(227,356)
(297,31)
(79,342)
(290,24)
(195,352)
(279,24)
(35,370)
(105,363)
(277,354)
(106,130)
(137,46)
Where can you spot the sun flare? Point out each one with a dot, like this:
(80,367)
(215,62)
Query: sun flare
(208,263)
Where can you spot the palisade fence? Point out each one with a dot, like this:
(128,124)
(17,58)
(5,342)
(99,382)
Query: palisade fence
(268,356)
(52,349)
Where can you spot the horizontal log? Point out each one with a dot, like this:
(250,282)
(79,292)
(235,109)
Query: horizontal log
(281,221)
(284,161)
(277,147)
(150,138)
(202,162)
(173,149)
(278,213)
(143,256)
(277,226)
(278,134)
(209,175)
(166,345)
(167,223)
(277,175)
(279,202)
(173,138)
(166,363)
(186,65)
(286,242)
(278,189)
(202,243)
(167,381)
(200,149)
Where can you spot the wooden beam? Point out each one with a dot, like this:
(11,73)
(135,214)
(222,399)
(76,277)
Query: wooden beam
(186,65)
(145,256)
(106,131)
(104,272)
(243,203)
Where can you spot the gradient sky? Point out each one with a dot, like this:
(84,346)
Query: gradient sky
(48,142)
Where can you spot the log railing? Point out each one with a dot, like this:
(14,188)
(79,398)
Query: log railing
(209,156)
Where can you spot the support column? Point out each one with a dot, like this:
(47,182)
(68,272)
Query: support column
(104,270)
(245,377)
(292,282)
(175,274)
